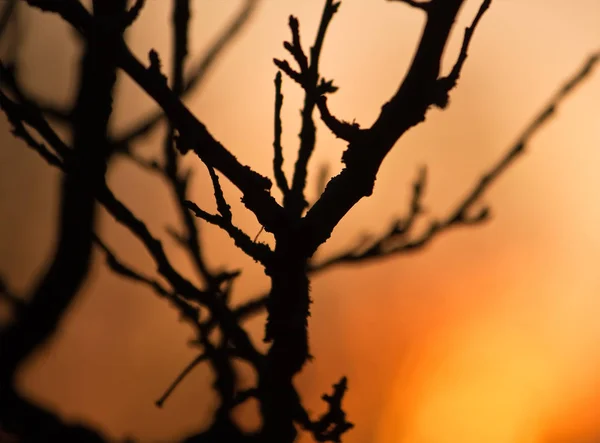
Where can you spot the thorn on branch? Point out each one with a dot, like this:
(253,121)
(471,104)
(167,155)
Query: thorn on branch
(326,87)
(262,228)
(155,65)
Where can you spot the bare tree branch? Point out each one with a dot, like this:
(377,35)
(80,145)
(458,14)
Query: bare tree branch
(17,117)
(397,239)
(333,423)
(308,77)
(220,338)
(183,287)
(406,109)
(188,311)
(194,135)
(449,82)
(258,251)
(171,170)
(341,129)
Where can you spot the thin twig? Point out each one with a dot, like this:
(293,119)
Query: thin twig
(195,362)
(449,82)
(309,78)
(258,251)
(278,173)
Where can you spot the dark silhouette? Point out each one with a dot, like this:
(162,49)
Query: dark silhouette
(299,228)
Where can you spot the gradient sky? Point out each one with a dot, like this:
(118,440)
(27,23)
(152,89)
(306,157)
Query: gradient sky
(489,334)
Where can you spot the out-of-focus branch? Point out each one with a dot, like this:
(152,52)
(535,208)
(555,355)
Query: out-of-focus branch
(181,285)
(333,423)
(219,358)
(397,239)
(9,80)
(22,110)
(197,74)
(188,311)
(5,293)
(57,112)
(5,16)
(35,323)
(17,115)
(70,263)
(252,307)
(132,14)
(33,423)
(235,335)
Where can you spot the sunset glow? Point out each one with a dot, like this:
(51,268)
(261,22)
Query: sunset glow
(490,334)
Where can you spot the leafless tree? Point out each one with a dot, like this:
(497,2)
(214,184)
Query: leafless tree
(298,227)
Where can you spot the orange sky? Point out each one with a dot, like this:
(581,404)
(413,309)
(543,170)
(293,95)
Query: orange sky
(490,334)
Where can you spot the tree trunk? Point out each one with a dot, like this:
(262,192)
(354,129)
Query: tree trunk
(288,310)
